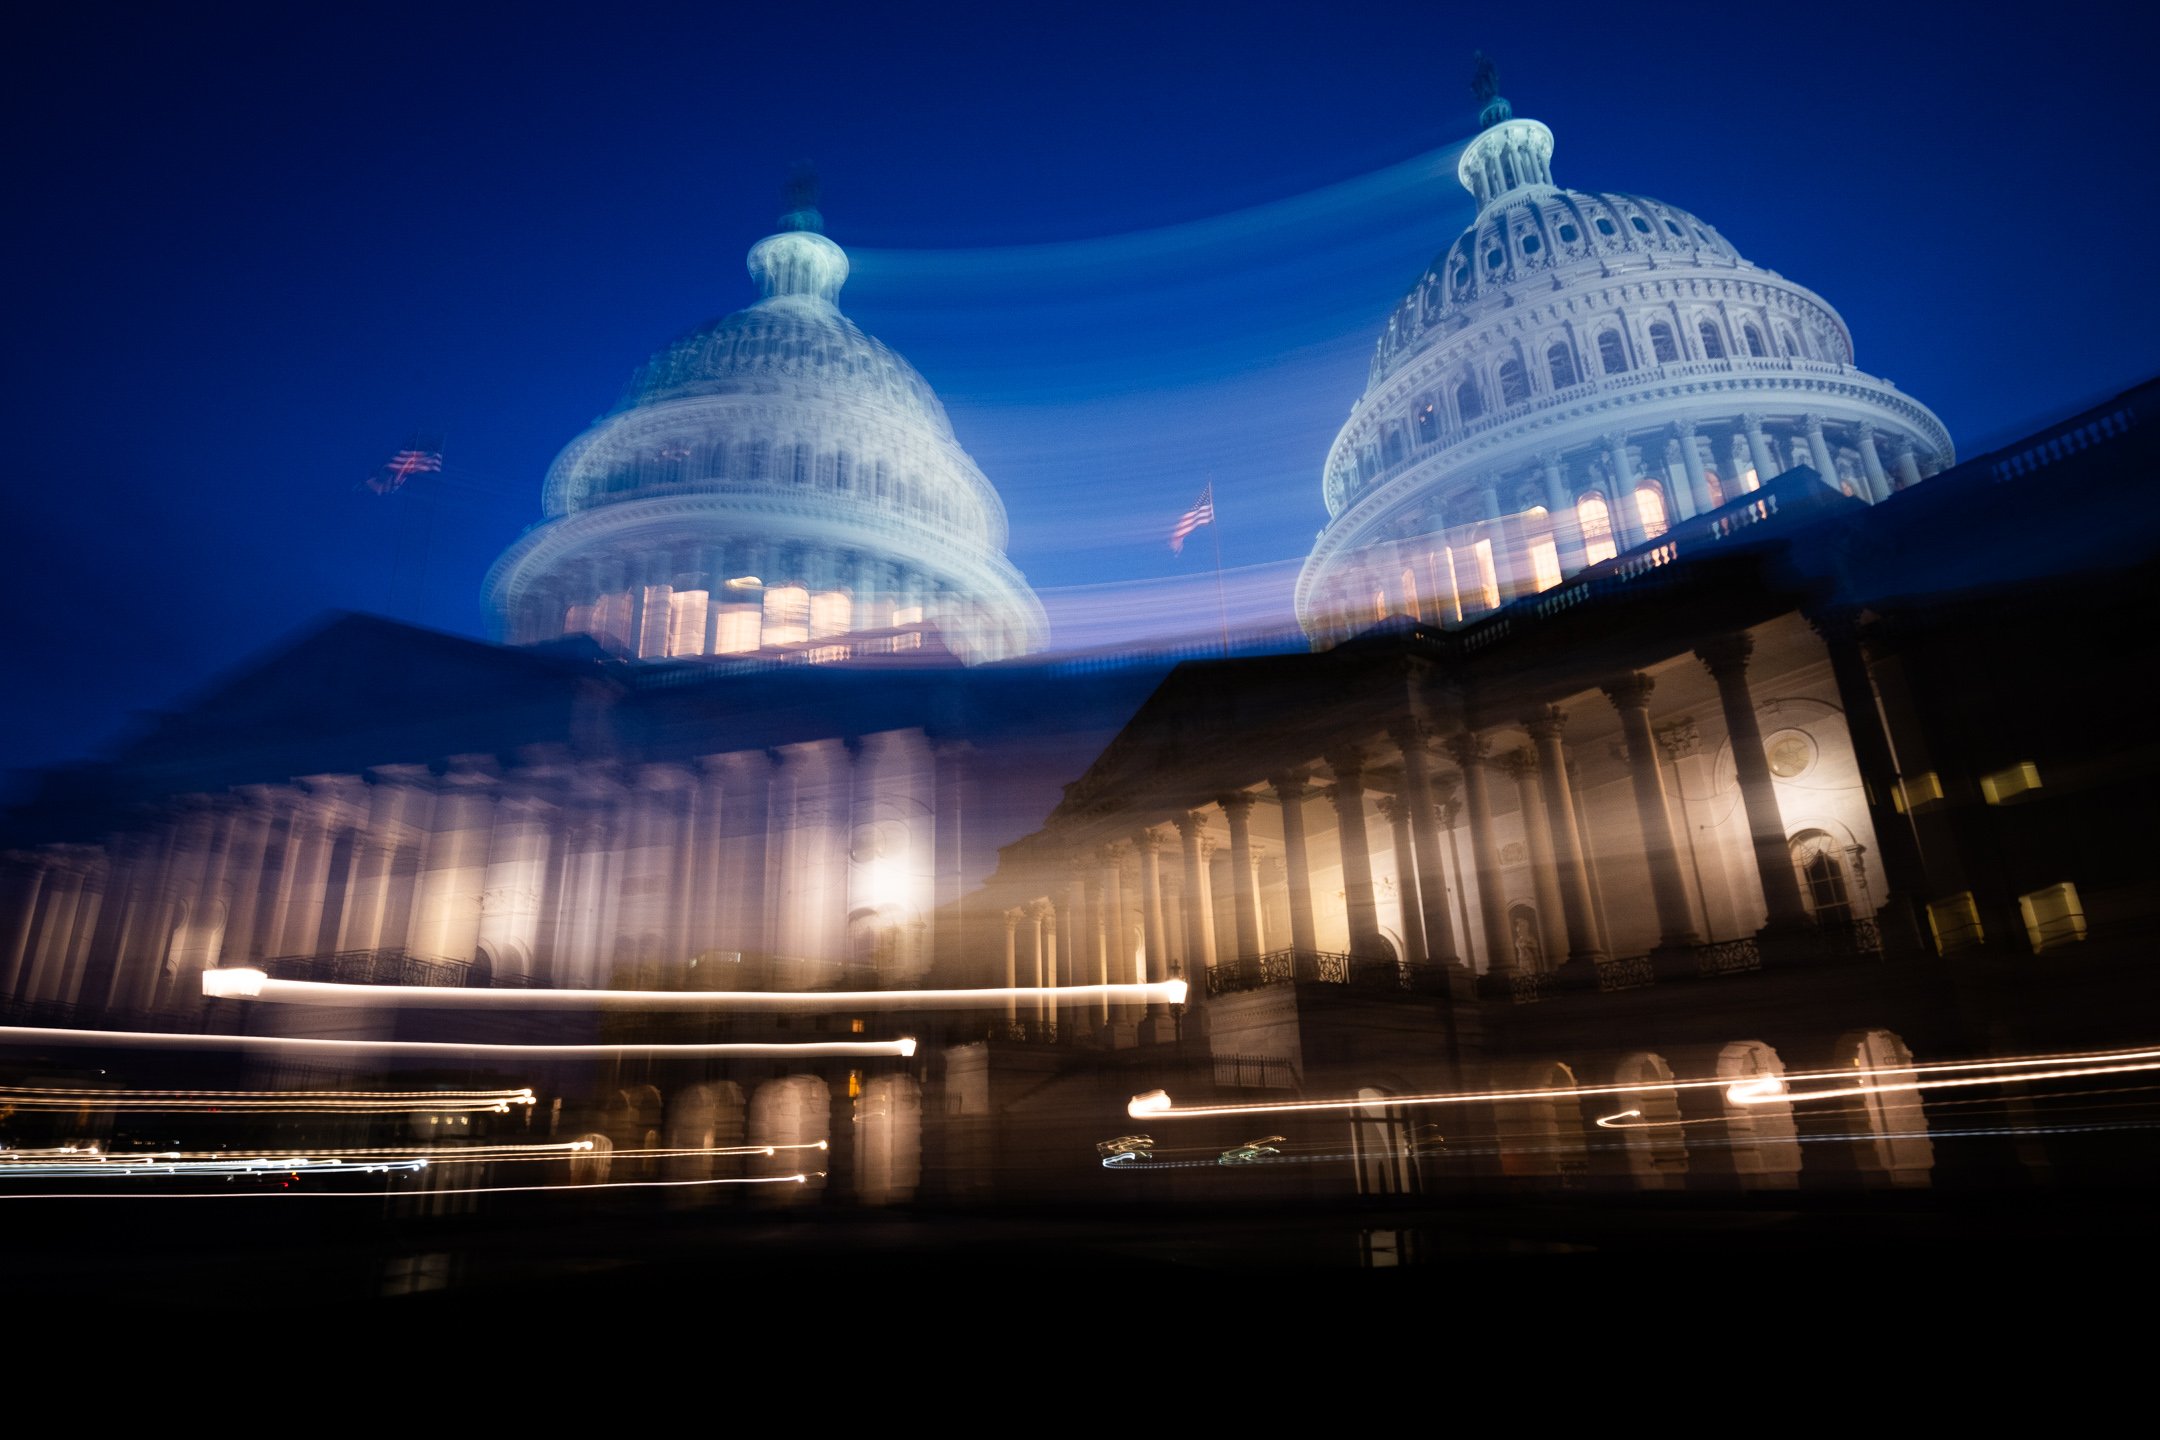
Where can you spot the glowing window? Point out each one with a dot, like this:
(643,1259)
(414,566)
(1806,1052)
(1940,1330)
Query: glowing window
(1454,585)
(1488,577)
(1713,344)
(911,641)
(1650,510)
(1514,383)
(579,621)
(1919,790)
(1610,353)
(1410,595)
(1379,605)
(1595,517)
(827,654)
(686,625)
(1562,366)
(907,615)
(2004,786)
(787,615)
(1545,563)
(1955,923)
(1662,347)
(832,612)
(2053,917)
(737,631)
(1428,423)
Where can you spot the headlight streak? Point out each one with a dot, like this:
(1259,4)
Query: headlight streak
(429,1193)
(89,1160)
(1754,1091)
(373,1102)
(255,985)
(159,1039)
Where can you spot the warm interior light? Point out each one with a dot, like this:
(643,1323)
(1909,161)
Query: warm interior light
(745,582)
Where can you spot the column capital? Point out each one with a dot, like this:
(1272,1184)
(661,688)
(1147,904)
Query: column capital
(1613,439)
(1149,841)
(1114,853)
(1865,429)
(1519,763)
(1236,804)
(1629,692)
(1811,423)
(1753,421)
(1551,460)
(1726,654)
(1468,747)
(1191,825)
(1684,428)
(1546,724)
(1680,739)
(1012,921)
(1291,786)
(1348,763)
(1041,910)
(1397,808)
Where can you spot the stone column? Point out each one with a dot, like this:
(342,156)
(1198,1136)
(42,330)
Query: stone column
(1544,870)
(1397,810)
(1012,964)
(1726,657)
(1117,907)
(1630,695)
(1560,504)
(1691,457)
(1037,913)
(1907,463)
(1902,866)
(1149,843)
(1469,752)
(1626,515)
(1736,458)
(1237,808)
(1425,841)
(1569,871)
(1291,790)
(1348,795)
(1871,461)
(1766,466)
(1819,450)
(1191,830)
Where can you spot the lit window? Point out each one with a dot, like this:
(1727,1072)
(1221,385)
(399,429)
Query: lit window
(686,623)
(1596,520)
(1650,510)
(912,641)
(1454,586)
(738,631)
(579,621)
(1545,563)
(832,612)
(1955,922)
(2053,917)
(1488,578)
(1428,424)
(654,622)
(787,615)
(907,615)
(1379,605)
(2004,786)
(1918,790)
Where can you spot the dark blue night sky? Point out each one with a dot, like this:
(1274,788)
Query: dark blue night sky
(252,250)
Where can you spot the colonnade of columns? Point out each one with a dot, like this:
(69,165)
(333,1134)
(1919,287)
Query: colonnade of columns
(785,868)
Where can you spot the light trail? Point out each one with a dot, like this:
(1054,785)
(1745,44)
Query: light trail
(371,1102)
(288,1044)
(378,1195)
(249,984)
(1762,1090)
(77,1161)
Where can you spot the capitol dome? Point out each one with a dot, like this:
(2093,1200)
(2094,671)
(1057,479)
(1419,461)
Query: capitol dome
(1572,376)
(774,482)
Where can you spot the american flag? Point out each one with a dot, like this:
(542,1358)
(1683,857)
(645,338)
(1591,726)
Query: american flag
(1202,513)
(420,456)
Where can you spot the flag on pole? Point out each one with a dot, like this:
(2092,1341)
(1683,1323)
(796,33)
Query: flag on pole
(1202,513)
(420,456)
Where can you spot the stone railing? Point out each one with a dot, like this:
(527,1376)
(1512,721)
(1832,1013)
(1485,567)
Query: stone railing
(1322,967)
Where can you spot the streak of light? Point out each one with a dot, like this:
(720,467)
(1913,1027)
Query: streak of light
(157,1039)
(379,1195)
(372,1102)
(248,984)
(88,1160)
(1913,1075)
(1612,1122)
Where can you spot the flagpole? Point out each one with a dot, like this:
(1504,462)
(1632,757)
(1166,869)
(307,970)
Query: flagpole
(1222,606)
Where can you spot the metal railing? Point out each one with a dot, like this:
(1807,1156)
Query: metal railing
(1727,957)
(373,967)
(1323,967)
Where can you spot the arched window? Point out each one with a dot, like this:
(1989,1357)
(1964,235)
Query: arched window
(1562,366)
(1514,383)
(1595,517)
(1713,344)
(1822,877)
(1790,348)
(1610,355)
(1650,509)
(1393,447)
(1468,403)
(1410,595)
(1754,342)
(1662,348)
(1428,423)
